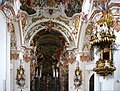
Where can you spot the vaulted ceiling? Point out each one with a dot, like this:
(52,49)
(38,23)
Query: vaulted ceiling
(48,41)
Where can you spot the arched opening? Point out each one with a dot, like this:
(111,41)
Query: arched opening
(46,73)
(91,83)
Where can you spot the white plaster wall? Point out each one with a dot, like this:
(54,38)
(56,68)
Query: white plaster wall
(11,77)
(71,77)
(117,64)
(8,62)
(106,84)
(27,74)
(3,52)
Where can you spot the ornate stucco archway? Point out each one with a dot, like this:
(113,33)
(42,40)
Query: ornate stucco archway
(63,30)
(35,27)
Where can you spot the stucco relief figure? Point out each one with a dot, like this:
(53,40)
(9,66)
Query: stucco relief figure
(49,26)
(76,24)
(24,20)
(61,8)
(23,23)
(85,57)
(26,56)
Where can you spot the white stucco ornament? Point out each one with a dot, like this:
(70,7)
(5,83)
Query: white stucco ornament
(49,12)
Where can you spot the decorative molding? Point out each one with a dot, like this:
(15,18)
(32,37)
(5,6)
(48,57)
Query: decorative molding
(35,27)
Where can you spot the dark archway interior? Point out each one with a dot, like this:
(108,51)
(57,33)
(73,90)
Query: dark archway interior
(49,45)
(91,85)
(48,41)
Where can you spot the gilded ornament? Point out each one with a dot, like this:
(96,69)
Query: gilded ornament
(23,23)
(78,78)
(104,42)
(20,77)
(106,19)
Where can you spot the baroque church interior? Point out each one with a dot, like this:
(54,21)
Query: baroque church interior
(59,45)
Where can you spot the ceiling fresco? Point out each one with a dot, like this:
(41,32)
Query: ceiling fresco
(69,7)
